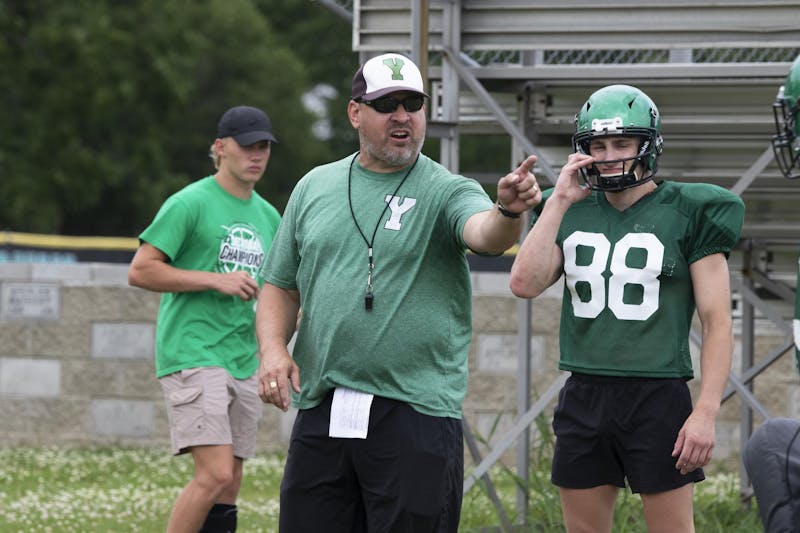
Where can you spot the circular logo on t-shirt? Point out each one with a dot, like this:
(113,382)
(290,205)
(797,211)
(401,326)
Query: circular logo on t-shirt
(241,249)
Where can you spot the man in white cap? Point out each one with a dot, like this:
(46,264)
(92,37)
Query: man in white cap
(373,247)
(205,252)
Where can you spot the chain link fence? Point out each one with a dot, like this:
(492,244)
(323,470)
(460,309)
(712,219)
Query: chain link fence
(625,57)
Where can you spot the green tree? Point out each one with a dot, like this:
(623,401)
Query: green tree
(322,41)
(110,106)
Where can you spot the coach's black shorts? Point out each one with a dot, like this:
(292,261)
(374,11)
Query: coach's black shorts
(609,429)
(406,476)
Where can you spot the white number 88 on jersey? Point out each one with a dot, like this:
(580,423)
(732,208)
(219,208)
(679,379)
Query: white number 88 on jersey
(621,274)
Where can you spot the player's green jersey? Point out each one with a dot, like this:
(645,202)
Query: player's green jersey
(628,300)
(413,344)
(203,227)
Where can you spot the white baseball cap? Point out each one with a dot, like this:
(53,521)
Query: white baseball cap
(384,74)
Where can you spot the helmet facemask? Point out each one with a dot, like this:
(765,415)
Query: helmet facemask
(786,143)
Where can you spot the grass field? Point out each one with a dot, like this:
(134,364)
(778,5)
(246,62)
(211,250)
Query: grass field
(132,490)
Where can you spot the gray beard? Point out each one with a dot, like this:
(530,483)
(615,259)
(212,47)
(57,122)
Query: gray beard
(395,157)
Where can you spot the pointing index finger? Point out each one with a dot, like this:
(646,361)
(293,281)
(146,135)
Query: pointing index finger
(525,167)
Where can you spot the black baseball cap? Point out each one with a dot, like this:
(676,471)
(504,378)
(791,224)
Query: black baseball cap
(247,125)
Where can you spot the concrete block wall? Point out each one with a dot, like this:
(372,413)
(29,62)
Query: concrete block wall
(76,362)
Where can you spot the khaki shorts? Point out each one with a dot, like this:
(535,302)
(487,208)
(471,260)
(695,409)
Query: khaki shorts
(207,407)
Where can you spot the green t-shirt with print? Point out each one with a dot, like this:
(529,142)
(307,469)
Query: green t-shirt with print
(203,227)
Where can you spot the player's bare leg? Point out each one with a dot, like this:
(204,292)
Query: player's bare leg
(588,510)
(671,511)
(213,477)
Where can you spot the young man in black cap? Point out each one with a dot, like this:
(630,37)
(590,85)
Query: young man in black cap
(374,245)
(205,252)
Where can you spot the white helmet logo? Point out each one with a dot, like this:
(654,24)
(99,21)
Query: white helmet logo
(607,124)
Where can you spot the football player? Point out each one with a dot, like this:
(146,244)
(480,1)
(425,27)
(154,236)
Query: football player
(639,255)
(772,452)
(786,144)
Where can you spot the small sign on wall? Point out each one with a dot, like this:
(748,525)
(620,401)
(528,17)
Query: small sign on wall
(26,301)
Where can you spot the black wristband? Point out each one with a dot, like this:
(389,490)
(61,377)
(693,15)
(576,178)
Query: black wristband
(505,212)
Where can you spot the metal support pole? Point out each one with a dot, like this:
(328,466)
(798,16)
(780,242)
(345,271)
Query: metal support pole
(448,101)
(756,370)
(523,404)
(748,344)
(523,352)
(419,37)
(752,173)
(490,490)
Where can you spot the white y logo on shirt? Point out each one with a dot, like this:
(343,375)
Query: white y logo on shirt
(398,208)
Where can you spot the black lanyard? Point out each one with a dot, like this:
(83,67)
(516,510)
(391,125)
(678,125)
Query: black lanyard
(368,297)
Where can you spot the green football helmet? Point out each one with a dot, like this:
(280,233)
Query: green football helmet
(620,110)
(786,142)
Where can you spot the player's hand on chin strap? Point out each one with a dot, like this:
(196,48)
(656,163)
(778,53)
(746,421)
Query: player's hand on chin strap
(570,185)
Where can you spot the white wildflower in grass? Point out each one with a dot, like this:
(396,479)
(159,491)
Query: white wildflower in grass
(718,486)
(132,490)
(120,490)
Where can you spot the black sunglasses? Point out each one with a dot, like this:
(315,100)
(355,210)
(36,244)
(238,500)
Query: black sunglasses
(388,104)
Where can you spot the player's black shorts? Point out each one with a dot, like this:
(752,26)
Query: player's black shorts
(609,429)
(406,476)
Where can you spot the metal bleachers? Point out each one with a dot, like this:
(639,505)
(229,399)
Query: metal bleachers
(713,68)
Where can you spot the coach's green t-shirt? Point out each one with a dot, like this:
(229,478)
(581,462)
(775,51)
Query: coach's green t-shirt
(203,227)
(628,300)
(413,345)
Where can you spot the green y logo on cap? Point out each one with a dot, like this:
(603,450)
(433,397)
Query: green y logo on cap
(396,65)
